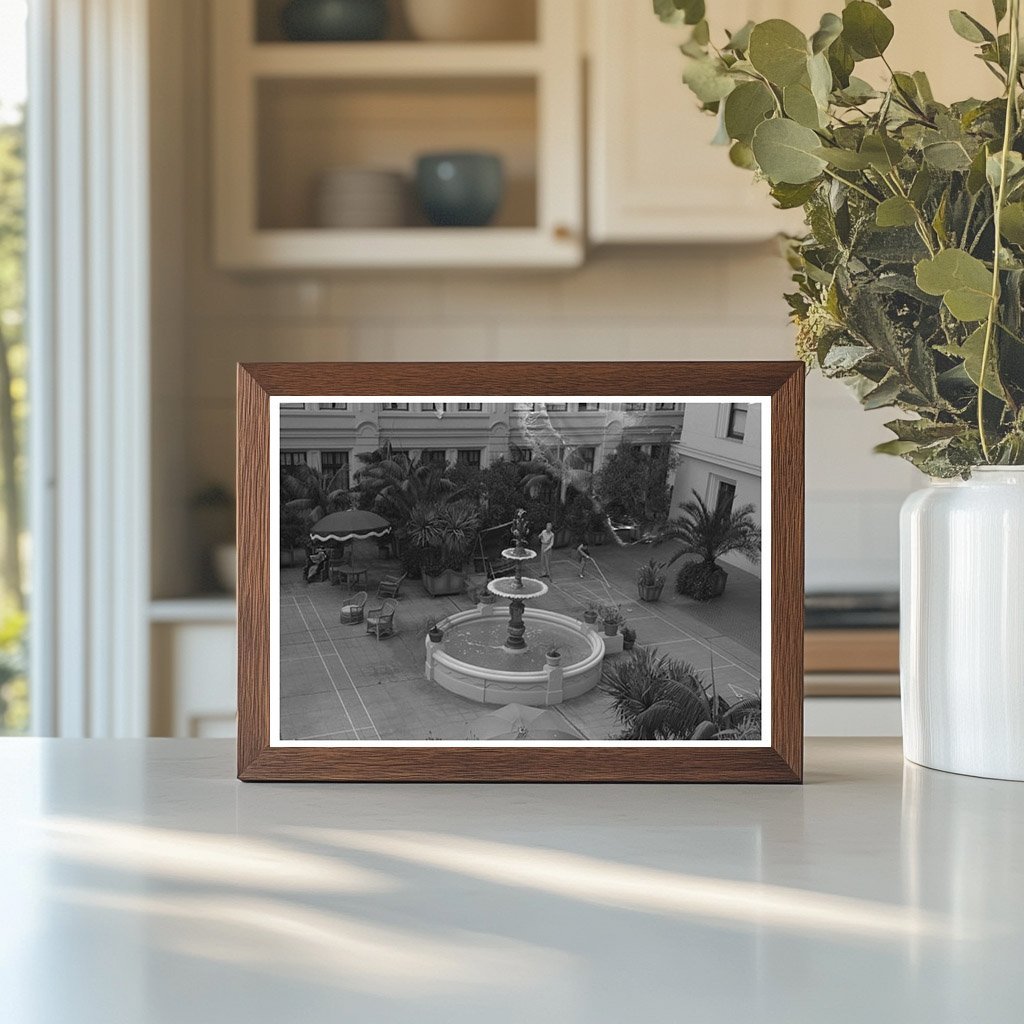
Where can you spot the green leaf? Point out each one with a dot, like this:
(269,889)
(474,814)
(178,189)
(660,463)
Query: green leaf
(971,352)
(883,153)
(741,155)
(866,29)
(830,29)
(746,107)
(963,281)
(968,28)
(999,6)
(924,87)
(841,60)
(801,106)
(789,197)
(820,75)
(778,50)
(947,156)
(976,174)
(844,159)
(785,152)
(701,33)
(895,447)
(885,394)
(921,185)
(676,12)
(708,80)
(1013,223)
(739,41)
(1014,169)
(896,212)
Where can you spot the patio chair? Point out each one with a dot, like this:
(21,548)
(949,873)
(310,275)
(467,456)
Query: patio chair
(381,621)
(352,609)
(390,585)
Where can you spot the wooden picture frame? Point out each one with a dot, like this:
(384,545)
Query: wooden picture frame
(778,386)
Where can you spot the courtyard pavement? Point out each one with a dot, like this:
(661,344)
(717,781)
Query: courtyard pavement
(340,683)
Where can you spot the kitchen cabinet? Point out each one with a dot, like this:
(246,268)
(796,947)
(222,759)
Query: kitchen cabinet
(287,113)
(653,175)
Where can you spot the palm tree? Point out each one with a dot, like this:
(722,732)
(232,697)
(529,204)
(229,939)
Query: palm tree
(445,532)
(398,484)
(660,698)
(711,533)
(313,494)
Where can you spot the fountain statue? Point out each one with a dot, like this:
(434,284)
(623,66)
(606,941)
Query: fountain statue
(515,588)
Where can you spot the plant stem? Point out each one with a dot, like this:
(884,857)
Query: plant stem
(855,187)
(993,309)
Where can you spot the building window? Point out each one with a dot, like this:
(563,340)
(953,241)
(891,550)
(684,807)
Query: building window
(521,454)
(334,405)
(585,457)
(658,450)
(557,407)
(726,495)
(396,407)
(293,405)
(291,460)
(737,427)
(469,457)
(434,456)
(665,406)
(525,406)
(587,407)
(434,407)
(470,407)
(635,406)
(333,463)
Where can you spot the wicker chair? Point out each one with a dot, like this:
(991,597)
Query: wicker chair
(390,585)
(381,621)
(352,609)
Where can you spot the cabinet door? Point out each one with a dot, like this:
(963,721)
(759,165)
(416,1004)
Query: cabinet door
(654,175)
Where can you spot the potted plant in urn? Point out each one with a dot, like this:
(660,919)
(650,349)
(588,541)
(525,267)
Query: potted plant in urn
(611,618)
(628,638)
(442,536)
(650,580)
(711,533)
(553,657)
(908,288)
(590,611)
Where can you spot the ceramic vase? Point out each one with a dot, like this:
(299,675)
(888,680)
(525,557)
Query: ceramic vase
(962,624)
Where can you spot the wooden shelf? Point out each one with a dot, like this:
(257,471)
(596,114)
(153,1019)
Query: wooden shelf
(852,650)
(401,247)
(393,60)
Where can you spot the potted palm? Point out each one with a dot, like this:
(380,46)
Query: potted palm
(443,535)
(909,285)
(650,580)
(711,533)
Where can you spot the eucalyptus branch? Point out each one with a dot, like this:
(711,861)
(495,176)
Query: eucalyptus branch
(853,185)
(1000,199)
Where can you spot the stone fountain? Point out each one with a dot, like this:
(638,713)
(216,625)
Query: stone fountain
(514,588)
(495,660)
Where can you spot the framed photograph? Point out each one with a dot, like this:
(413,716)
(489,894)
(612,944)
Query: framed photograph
(520,572)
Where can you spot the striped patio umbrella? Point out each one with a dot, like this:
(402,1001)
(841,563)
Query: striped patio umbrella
(352,524)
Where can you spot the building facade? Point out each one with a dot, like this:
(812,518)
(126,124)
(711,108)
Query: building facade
(719,457)
(330,436)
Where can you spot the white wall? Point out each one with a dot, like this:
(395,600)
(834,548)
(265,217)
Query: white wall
(714,302)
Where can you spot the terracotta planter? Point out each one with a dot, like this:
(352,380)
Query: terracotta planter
(553,660)
(718,581)
(436,636)
(590,617)
(652,593)
(610,628)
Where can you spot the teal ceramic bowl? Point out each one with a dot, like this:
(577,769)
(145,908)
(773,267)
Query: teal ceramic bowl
(334,21)
(460,190)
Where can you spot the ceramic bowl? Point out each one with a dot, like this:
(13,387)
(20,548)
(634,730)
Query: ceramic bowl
(460,189)
(334,20)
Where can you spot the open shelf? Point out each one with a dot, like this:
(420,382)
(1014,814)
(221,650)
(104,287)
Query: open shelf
(287,113)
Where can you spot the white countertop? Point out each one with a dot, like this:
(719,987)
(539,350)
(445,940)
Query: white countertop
(143,885)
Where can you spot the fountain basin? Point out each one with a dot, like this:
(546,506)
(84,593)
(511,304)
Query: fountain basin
(474,663)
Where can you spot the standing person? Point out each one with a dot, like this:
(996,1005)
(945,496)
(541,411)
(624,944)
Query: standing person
(584,555)
(547,542)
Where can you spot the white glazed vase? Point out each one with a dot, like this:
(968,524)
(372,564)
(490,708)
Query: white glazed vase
(962,624)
